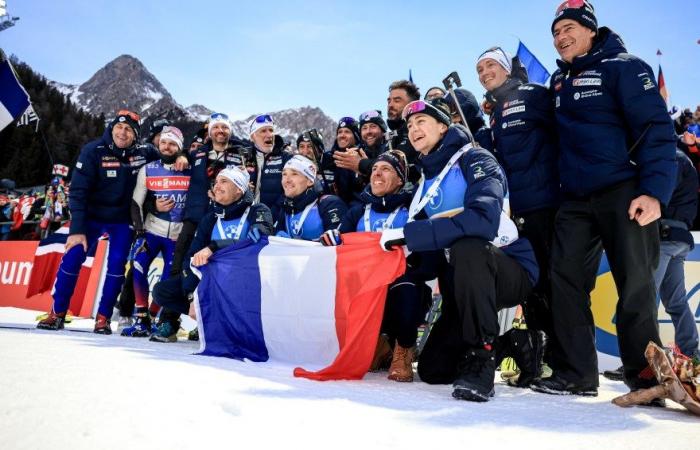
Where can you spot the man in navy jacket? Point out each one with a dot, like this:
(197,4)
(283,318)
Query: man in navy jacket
(617,168)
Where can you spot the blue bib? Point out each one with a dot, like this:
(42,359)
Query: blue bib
(311,229)
(229,228)
(449,198)
(378,219)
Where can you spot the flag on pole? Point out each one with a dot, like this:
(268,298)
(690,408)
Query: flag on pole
(28,117)
(536,71)
(14,100)
(410,76)
(662,86)
(60,170)
(658,52)
(297,302)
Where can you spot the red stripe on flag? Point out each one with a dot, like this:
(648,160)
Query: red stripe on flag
(363,274)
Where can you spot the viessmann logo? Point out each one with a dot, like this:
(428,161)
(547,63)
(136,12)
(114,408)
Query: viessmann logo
(167,183)
(15,272)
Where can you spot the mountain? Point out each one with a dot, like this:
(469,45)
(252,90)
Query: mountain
(126,83)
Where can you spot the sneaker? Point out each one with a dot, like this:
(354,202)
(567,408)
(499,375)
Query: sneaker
(475,381)
(124,322)
(556,385)
(615,374)
(53,321)
(103,325)
(401,368)
(382,355)
(167,332)
(193,335)
(140,328)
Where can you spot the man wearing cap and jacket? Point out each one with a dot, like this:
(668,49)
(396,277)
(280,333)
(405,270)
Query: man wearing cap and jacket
(103,182)
(617,168)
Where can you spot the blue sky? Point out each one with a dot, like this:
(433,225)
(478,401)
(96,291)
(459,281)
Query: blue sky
(248,57)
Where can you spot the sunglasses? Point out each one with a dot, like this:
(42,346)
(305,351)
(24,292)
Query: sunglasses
(218,116)
(132,115)
(571,4)
(263,118)
(371,114)
(160,123)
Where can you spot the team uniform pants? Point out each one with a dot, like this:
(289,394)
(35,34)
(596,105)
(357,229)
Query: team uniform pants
(142,263)
(120,236)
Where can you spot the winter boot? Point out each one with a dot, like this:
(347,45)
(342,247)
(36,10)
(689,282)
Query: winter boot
(193,335)
(382,355)
(140,328)
(527,347)
(102,325)
(614,375)
(124,322)
(557,385)
(475,379)
(167,332)
(54,321)
(401,368)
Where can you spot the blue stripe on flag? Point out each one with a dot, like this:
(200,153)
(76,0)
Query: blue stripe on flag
(12,94)
(229,303)
(536,72)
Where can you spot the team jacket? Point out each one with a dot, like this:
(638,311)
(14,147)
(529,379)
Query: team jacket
(377,211)
(525,144)
(677,218)
(612,123)
(266,173)
(325,212)
(103,181)
(471,201)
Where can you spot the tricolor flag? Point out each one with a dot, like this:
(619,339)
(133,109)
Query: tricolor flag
(47,258)
(536,71)
(14,100)
(662,86)
(297,302)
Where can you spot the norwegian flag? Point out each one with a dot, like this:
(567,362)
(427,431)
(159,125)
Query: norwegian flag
(60,170)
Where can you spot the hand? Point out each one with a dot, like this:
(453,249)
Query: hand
(392,238)
(76,239)
(349,159)
(644,209)
(164,204)
(181,163)
(331,238)
(487,107)
(201,257)
(254,235)
(689,138)
(210,194)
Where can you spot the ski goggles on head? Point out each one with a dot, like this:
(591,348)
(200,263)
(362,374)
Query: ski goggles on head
(263,118)
(132,115)
(160,123)
(371,114)
(570,4)
(218,116)
(423,107)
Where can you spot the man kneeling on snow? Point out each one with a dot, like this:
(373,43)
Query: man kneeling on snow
(233,217)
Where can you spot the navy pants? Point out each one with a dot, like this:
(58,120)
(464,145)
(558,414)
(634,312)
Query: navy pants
(120,236)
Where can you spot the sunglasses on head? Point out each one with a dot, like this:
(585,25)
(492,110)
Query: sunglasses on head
(570,4)
(131,115)
(217,116)
(263,118)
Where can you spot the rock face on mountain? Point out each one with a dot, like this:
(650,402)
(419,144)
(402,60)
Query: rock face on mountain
(126,83)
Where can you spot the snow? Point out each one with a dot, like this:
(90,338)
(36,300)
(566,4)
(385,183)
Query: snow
(85,391)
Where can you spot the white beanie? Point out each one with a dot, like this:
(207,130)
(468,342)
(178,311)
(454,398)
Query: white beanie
(238,176)
(172,134)
(303,165)
(259,121)
(218,118)
(498,55)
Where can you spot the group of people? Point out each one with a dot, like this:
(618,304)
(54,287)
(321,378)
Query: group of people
(513,211)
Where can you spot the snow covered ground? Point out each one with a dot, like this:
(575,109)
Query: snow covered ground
(64,390)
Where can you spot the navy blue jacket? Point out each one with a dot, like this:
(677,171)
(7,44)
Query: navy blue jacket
(605,102)
(684,203)
(271,180)
(259,217)
(525,144)
(103,181)
(383,204)
(331,209)
(483,203)
(203,174)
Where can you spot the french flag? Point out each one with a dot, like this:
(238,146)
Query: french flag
(297,302)
(47,258)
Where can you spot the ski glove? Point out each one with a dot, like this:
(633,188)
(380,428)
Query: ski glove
(331,238)
(254,235)
(392,237)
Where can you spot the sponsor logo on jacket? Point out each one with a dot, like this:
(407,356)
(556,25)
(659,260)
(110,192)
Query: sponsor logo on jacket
(167,183)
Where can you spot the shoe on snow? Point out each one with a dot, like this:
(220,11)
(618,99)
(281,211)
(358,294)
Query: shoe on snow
(102,325)
(614,375)
(193,335)
(555,385)
(52,321)
(475,380)
(140,328)
(124,322)
(167,332)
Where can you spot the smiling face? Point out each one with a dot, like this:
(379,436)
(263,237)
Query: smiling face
(371,133)
(398,98)
(425,132)
(306,148)
(491,74)
(345,138)
(220,134)
(264,139)
(225,192)
(167,147)
(384,179)
(571,39)
(123,135)
(294,183)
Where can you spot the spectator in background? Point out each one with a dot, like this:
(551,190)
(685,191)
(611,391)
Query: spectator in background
(6,209)
(434,92)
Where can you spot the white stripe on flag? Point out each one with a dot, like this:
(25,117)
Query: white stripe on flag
(298,293)
(5,117)
(51,248)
